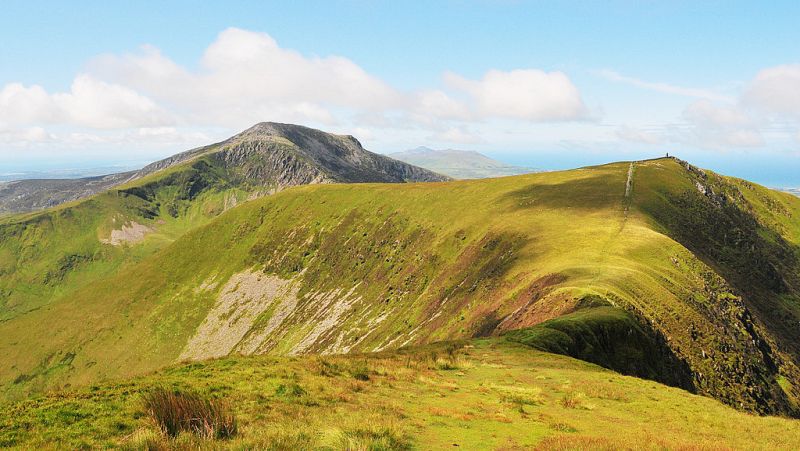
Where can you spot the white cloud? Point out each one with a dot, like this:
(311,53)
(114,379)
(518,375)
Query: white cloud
(25,136)
(527,94)
(26,105)
(96,104)
(721,126)
(89,103)
(663,87)
(245,77)
(776,90)
(436,104)
(632,134)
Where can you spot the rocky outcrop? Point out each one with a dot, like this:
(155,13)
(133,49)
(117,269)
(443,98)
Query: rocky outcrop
(341,158)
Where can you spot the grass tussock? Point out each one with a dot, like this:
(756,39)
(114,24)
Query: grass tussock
(575,400)
(284,437)
(373,438)
(360,371)
(175,412)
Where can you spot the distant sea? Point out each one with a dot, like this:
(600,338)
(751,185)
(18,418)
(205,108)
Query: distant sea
(75,173)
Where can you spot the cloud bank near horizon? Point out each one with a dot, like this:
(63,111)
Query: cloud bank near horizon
(244,77)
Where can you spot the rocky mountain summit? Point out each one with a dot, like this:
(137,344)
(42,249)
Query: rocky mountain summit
(269,154)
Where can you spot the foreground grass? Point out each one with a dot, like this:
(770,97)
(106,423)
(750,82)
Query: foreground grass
(486,394)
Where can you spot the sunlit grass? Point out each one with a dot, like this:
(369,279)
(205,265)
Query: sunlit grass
(508,396)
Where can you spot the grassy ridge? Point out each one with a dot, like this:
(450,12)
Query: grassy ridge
(486,394)
(379,266)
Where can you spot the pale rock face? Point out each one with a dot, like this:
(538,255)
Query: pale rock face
(240,303)
(130,233)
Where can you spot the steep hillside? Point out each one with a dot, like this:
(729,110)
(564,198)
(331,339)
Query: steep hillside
(703,267)
(483,394)
(267,155)
(45,255)
(459,164)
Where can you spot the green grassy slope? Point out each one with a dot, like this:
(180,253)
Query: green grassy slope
(346,268)
(488,394)
(46,255)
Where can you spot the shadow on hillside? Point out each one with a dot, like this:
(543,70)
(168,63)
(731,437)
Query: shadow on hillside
(593,192)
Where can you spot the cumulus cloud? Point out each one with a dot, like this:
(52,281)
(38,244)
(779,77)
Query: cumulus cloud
(25,136)
(527,94)
(720,126)
(90,103)
(245,77)
(436,104)
(776,90)
(637,135)
(25,105)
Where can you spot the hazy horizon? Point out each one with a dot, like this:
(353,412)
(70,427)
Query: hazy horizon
(752,167)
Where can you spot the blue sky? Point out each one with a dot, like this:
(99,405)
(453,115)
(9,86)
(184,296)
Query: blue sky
(545,84)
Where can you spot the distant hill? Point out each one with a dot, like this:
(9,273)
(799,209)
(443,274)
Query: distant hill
(268,155)
(68,173)
(795,191)
(459,164)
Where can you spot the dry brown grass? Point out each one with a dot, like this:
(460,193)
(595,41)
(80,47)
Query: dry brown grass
(175,412)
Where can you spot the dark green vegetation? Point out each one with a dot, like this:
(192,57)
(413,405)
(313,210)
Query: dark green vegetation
(459,164)
(655,269)
(610,337)
(484,394)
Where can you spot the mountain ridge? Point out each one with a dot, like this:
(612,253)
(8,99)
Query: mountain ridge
(316,157)
(358,268)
